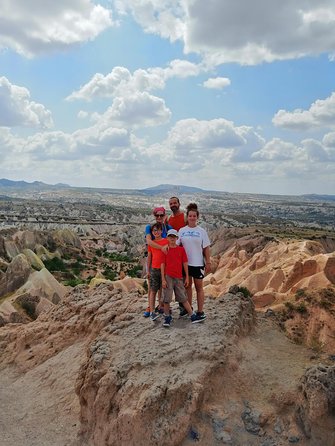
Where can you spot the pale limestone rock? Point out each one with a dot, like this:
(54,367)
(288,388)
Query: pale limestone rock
(67,237)
(43,284)
(17,273)
(11,249)
(33,259)
(44,254)
(98,280)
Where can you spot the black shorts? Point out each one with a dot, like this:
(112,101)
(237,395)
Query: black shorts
(197,272)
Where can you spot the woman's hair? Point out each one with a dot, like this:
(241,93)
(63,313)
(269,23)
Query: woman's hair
(192,207)
(157,226)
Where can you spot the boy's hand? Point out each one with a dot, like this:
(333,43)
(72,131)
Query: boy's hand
(186,282)
(164,284)
(165,249)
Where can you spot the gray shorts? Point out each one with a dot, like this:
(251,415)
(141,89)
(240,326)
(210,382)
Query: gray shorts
(155,279)
(176,286)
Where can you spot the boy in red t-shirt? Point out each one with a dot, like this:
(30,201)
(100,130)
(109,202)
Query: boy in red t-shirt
(155,258)
(174,261)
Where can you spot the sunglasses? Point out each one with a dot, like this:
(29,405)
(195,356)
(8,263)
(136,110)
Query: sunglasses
(159,215)
(156,230)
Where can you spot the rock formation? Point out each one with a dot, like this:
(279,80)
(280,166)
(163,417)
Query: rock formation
(225,381)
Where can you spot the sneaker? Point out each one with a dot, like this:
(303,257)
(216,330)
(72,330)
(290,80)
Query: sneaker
(198,317)
(154,316)
(147,312)
(182,312)
(201,315)
(167,321)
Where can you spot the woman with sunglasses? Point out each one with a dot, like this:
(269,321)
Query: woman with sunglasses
(160,216)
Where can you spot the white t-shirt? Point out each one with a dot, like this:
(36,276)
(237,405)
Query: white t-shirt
(194,240)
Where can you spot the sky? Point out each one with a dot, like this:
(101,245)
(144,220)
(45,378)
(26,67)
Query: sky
(227,95)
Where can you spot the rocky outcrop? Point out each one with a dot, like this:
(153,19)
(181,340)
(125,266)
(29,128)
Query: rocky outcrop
(222,381)
(316,405)
(271,267)
(42,284)
(120,367)
(66,237)
(16,275)
(34,261)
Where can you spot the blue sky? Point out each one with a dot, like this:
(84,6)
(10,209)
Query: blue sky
(226,95)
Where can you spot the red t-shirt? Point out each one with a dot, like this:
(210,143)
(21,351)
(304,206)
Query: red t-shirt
(157,255)
(177,222)
(174,260)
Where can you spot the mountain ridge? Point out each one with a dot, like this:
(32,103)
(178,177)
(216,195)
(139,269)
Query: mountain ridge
(153,190)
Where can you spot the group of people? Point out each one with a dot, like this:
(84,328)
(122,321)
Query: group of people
(178,257)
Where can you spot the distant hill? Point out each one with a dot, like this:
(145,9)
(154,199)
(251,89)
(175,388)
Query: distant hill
(171,188)
(319,197)
(25,185)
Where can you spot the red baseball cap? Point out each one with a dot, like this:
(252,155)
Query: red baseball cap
(159,209)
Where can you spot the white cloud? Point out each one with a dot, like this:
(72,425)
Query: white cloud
(195,143)
(329,140)
(276,150)
(244,32)
(16,108)
(217,83)
(320,114)
(120,81)
(213,154)
(82,114)
(165,18)
(136,110)
(32,27)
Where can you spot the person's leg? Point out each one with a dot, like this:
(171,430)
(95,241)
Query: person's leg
(181,296)
(160,300)
(166,300)
(147,311)
(189,291)
(152,297)
(198,283)
(188,307)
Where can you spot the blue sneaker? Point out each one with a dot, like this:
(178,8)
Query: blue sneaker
(159,309)
(198,317)
(167,321)
(182,312)
(146,313)
(154,316)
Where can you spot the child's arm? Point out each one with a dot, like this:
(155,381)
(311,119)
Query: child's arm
(153,244)
(187,279)
(164,284)
(149,263)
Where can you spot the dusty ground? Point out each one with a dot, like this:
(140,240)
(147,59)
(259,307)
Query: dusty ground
(39,408)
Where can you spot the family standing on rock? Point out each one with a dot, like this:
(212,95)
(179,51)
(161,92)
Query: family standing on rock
(178,256)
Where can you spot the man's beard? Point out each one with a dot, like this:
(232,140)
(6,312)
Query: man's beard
(174,208)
